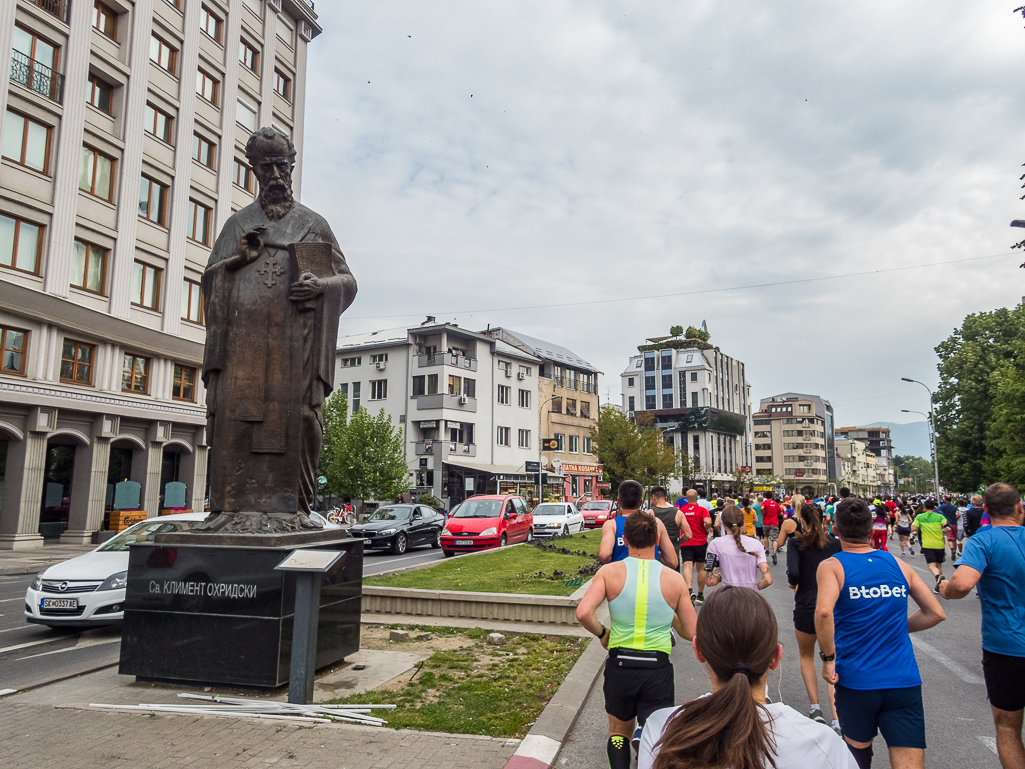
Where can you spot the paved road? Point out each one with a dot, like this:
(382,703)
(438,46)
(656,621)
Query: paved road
(959,727)
(31,655)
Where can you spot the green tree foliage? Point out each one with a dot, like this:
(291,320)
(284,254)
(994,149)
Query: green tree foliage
(918,469)
(430,500)
(980,409)
(676,331)
(364,455)
(697,333)
(630,451)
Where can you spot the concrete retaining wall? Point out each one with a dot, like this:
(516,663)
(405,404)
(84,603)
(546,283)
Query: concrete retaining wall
(511,607)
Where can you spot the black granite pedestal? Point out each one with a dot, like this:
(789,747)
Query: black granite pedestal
(208,613)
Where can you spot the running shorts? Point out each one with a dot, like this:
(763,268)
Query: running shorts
(759,532)
(952,534)
(804,620)
(904,531)
(933,555)
(771,532)
(695,553)
(897,713)
(637,692)
(1005,680)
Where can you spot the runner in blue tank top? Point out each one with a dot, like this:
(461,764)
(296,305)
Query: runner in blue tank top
(612,547)
(862,624)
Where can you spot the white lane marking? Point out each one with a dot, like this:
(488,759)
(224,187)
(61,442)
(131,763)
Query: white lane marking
(28,644)
(375,562)
(86,645)
(12,691)
(989,742)
(8,630)
(8,600)
(959,670)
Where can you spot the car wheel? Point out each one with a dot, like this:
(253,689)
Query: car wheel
(447,553)
(530,534)
(399,545)
(565,530)
(503,541)
(436,543)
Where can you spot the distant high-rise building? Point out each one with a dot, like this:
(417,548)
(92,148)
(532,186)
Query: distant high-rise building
(877,441)
(793,439)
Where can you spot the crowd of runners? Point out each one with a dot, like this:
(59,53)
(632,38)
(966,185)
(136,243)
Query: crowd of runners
(692,571)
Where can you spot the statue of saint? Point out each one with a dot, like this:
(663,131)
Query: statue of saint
(273,291)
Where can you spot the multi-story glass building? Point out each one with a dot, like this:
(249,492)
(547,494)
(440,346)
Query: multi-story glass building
(123,126)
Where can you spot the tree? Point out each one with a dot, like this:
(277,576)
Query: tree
(627,450)
(658,463)
(676,331)
(918,469)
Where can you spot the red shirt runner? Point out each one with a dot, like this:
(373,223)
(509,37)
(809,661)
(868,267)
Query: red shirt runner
(770,512)
(695,515)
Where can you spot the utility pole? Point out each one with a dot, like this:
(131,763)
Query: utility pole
(932,436)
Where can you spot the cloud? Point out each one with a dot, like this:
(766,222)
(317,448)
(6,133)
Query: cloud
(486,156)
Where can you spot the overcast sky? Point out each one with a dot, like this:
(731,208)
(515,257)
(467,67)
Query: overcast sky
(475,159)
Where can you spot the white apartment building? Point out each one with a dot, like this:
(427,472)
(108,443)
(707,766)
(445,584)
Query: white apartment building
(466,402)
(863,477)
(701,400)
(123,126)
(793,440)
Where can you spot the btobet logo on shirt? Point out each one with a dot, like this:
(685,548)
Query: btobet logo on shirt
(878,591)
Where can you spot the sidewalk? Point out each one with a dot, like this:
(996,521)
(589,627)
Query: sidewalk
(35,560)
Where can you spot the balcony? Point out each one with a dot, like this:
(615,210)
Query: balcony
(446,359)
(425,447)
(58,8)
(37,77)
(445,401)
(463,449)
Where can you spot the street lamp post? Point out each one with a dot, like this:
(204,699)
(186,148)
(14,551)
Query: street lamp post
(540,443)
(932,428)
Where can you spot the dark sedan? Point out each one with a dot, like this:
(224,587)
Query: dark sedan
(400,527)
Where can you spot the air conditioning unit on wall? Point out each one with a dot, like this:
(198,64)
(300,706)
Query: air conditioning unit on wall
(521,375)
(381,365)
(508,372)
(463,400)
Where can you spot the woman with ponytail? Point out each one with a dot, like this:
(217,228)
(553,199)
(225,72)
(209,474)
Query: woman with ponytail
(733,728)
(738,557)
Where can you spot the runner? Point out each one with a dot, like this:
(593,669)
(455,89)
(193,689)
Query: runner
(613,547)
(738,641)
(739,558)
(749,517)
(666,513)
(770,522)
(789,527)
(862,624)
(704,502)
(692,551)
(995,559)
(759,529)
(949,511)
(930,526)
(811,547)
(904,529)
(973,516)
(880,525)
(646,601)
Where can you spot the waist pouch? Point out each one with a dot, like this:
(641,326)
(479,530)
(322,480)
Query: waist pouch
(621,657)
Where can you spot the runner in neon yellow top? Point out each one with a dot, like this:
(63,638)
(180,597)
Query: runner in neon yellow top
(931,526)
(641,618)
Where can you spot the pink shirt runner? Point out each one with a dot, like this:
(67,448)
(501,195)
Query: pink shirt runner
(737,568)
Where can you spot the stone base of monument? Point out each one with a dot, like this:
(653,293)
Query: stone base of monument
(220,613)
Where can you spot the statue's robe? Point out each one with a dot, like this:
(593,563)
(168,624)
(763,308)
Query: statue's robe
(268,364)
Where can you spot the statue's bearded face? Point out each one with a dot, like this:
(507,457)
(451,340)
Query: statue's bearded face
(274,172)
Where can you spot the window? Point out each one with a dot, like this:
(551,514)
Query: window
(282,85)
(571,407)
(37,73)
(152,200)
(574,444)
(192,301)
(26,142)
(763,447)
(256,6)
(588,445)
(135,374)
(243,176)
(355,397)
(505,367)
(88,267)
(693,376)
(77,362)
(470,388)
(803,408)
(12,348)
(146,285)
(649,402)
(285,30)
(247,55)
(20,244)
(158,123)
(504,394)
(97,173)
(209,23)
(203,150)
(525,370)
(183,386)
(100,93)
(245,114)
(455,385)
(503,436)
(162,54)
(351,362)
(667,400)
(378,389)
(649,382)
(381,357)
(629,381)
(425,385)
(206,86)
(524,399)
(693,400)
(197,227)
(630,406)
(560,440)
(524,439)
(585,409)
(105,20)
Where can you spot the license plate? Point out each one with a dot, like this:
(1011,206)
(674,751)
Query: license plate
(59,603)
(464,541)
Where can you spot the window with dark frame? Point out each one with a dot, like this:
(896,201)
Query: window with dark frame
(77,362)
(97,173)
(158,123)
(192,301)
(163,54)
(27,142)
(89,267)
(152,200)
(210,23)
(248,55)
(105,20)
(12,350)
(183,385)
(282,85)
(378,389)
(100,93)
(207,86)
(198,224)
(243,175)
(21,244)
(203,150)
(135,374)
(146,285)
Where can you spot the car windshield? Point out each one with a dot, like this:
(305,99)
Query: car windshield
(550,510)
(596,506)
(144,532)
(479,508)
(390,514)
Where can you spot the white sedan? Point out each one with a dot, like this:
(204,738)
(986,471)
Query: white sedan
(553,519)
(89,590)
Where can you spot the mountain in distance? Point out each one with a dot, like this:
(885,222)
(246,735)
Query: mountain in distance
(911,439)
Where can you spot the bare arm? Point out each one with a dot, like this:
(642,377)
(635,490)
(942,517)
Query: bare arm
(589,603)
(608,541)
(686,620)
(830,579)
(929,612)
(789,526)
(961,584)
(766,579)
(666,548)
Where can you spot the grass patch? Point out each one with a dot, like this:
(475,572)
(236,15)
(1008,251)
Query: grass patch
(480,689)
(527,569)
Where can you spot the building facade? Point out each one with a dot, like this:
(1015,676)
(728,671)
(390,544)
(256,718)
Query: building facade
(862,476)
(793,441)
(700,398)
(877,441)
(123,126)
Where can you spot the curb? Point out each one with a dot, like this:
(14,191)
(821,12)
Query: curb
(544,740)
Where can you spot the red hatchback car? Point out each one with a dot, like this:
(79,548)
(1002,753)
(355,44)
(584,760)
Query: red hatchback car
(486,521)
(597,512)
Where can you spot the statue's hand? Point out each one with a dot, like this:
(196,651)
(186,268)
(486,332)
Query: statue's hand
(251,245)
(309,286)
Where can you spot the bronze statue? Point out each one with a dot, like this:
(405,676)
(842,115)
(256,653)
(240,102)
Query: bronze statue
(273,291)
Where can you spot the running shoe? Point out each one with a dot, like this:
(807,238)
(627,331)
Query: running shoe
(903,554)
(699,600)
(774,561)
(939,579)
(635,741)
(816,715)
(693,598)
(837,729)
(911,550)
